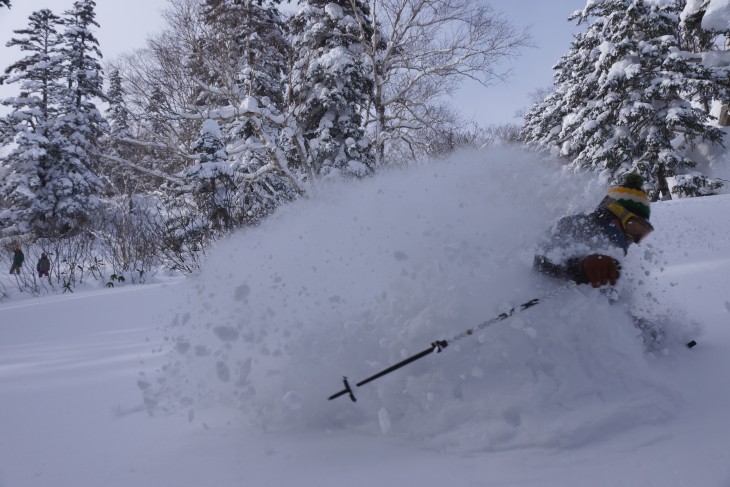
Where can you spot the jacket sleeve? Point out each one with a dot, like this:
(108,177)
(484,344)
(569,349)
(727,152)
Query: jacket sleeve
(566,262)
(569,270)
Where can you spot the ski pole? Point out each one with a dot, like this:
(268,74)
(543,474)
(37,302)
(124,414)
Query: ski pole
(439,345)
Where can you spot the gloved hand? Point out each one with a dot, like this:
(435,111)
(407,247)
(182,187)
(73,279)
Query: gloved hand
(601,270)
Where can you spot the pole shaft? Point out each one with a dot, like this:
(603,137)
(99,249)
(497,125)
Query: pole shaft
(440,344)
(397,366)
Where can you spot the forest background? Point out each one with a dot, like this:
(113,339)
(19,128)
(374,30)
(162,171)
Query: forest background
(235,108)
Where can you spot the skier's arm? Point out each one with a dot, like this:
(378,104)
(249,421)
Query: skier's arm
(571,269)
(557,255)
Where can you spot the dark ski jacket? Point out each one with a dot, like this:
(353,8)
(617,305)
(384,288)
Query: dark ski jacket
(44,265)
(18,258)
(573,239)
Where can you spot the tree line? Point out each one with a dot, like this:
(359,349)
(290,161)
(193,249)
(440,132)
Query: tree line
(233,109)
(239,106)
(635,94)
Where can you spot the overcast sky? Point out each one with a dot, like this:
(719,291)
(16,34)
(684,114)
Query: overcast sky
(125,24)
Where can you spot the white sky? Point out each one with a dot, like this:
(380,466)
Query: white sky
(124,26)
(552,34)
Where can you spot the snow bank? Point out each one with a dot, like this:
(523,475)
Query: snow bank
(365,274)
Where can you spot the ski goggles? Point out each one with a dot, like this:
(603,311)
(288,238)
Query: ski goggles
(635,227)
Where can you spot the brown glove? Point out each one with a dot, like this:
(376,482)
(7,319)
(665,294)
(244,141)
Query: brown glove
(601,270)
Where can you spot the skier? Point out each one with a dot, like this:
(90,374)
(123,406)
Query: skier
(18,258)
(43,266)
(587,249)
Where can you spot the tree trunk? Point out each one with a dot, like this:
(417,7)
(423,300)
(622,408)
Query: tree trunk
(724,119)
(662,185)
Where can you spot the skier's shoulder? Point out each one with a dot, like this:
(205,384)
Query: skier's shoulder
(578,223)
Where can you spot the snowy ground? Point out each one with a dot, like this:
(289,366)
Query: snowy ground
(237,363)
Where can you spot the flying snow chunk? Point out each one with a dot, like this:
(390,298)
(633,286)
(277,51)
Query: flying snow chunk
(384,420)
(226,333)
(241,292)
(223,372)
(293,400)
(400,255)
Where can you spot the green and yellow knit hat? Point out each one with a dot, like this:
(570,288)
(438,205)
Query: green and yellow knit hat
(631,196)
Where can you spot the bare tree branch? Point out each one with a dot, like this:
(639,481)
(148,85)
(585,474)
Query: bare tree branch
(421,50)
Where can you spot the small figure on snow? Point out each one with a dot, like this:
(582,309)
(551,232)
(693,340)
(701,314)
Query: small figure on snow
(18,259)
(43,266)
(587,249)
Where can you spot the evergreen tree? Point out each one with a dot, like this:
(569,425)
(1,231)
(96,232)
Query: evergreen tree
(622,97)
(332,86)
(5,3)
(212,179)
(697,39)
(70,188)
(117,144)
(118,114)
(243,59)
(161,143)
(242,53)
(155,112)
(31,121)
(706,29)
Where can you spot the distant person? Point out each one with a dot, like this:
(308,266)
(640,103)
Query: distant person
(43,266)
(18,259)
(587,249)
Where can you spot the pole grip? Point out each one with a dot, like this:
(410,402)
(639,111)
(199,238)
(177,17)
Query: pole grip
(346,390)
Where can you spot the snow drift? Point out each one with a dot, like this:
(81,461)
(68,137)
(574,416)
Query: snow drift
(364,274)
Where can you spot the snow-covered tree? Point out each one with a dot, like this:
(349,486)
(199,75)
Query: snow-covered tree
(212,180)
(242,56)
(241,51)
(623,94)
(332,86)
(118,144)
(69,187)
(707,32)
(5,3)
(30,123)
(117,113)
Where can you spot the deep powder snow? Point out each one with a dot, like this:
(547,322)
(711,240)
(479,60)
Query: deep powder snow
(365,274)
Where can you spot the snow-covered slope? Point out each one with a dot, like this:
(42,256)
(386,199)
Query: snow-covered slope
(237,363)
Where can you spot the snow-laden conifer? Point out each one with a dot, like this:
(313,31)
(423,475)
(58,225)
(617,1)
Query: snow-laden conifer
(29,129)
(332,86)
(118,115)
(240,63)
(71,187)
(623,95)
(212,179)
